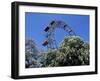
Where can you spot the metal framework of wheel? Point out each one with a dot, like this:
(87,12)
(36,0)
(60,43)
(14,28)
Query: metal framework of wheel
(50,41)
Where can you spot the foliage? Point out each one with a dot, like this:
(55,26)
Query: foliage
(72,51)
(32,54)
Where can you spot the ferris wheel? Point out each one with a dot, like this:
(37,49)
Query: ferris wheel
(50,40)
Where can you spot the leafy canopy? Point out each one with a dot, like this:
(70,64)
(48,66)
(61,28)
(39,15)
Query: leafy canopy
(72,51)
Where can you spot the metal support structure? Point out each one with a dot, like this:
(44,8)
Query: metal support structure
(50,41)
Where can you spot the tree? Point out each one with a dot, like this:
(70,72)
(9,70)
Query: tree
(72,51)
(32,54)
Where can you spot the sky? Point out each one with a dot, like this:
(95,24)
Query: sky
(35,23)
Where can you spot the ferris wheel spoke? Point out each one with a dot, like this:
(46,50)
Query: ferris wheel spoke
(50,40)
